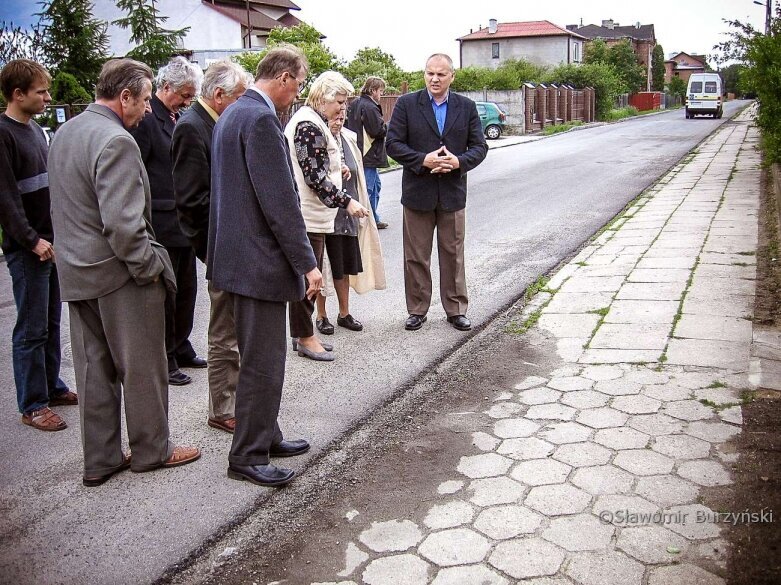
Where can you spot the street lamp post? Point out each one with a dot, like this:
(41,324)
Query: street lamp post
(768,4)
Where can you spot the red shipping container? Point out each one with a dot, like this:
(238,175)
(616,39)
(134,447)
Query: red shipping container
(646,100)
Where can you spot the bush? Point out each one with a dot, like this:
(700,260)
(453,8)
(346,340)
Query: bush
(602,77)
(677,87)
(621,113)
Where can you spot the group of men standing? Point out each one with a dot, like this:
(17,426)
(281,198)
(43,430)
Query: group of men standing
(138,192)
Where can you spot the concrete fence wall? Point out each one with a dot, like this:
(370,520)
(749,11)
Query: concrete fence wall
(511,101)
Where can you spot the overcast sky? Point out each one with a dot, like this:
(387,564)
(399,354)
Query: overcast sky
(411,30)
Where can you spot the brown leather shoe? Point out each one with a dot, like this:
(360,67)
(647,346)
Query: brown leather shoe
(44,419)
(228,425)
(182,455)
(65,399)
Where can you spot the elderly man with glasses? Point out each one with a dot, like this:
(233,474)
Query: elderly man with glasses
(177,85)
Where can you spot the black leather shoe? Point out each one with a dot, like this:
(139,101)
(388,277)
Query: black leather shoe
(414,322)
(289,448)
(349,322)
(178,378)
(324,326)
(266,475)
(195,362)
(460,322)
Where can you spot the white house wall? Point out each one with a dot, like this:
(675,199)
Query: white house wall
(548,51)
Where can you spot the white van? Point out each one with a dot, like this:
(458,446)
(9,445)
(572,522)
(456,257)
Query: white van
(704,95)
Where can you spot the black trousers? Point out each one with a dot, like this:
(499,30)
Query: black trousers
(260,331)
(180,307)
(301,311)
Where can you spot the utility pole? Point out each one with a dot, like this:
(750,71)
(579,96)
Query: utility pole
(768,4)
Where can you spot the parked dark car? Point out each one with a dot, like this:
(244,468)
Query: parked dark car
(492,118)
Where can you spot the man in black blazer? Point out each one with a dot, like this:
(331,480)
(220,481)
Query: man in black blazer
(191,146)
(259,253)
(177,84)
(436,135)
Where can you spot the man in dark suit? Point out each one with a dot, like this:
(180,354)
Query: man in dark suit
(437,137)
(191,146)
(259,253)
(177,84)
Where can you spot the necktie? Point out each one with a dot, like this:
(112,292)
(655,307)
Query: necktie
(173,117)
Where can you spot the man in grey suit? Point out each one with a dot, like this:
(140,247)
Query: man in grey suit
(112,273)
(259,254)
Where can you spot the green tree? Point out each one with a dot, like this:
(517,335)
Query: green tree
(374,61)
(623,59)
(74,41)
(677,87)
(155,45)
(657,68)
(601,76)
(21,43)
(731,77)
(761,56)
(596,51)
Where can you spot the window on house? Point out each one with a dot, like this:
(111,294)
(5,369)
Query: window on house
(576,56)
(494,50)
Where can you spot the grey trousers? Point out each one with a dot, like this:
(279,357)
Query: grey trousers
(223,355)
(418,242)
(261,332)
(118,343)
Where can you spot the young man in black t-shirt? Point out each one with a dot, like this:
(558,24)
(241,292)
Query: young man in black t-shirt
(28,246)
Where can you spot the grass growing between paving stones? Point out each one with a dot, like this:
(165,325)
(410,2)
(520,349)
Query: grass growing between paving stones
(538,286)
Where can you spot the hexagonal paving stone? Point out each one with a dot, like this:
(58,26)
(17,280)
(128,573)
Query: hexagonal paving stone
(450,487)
(637,404)
(714,432)
(600,373)
(449,515)
(585,399)
(603,479)
(530,382)
(484,441)
(650,543)
(718,396)
(666,490)
(693,521)
(565,432)
(696,380)
(655,424)
(511,428)
(504,396)
(394,535)
(527,557)
(397,570)
(503,522)
(459,546)
(707,473)
(539,396)
(618,509)
(681,447)
(551,412)
(667,392)
(565,371)
(643,462)
(600,568)
(646,376)
(683,575)
(733,414)
(487,465)
(578,533)
(622,438)
(570,383)
(495,490)
(688,410)
(582,454)
(558,499)
(618,387)
(527,448)
(602,418)
(540,472)
(503,410)
(471,574)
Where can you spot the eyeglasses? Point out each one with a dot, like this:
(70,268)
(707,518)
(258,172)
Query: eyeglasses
(301,83)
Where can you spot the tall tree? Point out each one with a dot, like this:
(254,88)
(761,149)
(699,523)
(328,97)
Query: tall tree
(155,45)
(20,43)
(309,40)
(657,68)
(74,41)
(622,57)
(374,61)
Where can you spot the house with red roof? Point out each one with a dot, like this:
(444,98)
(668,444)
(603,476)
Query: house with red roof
(218,28)
(541,42)
(683,65)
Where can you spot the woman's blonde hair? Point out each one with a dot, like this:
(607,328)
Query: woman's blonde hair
(326,87)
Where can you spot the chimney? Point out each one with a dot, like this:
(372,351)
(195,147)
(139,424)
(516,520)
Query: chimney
(609,24)
(492,26)
(637,26)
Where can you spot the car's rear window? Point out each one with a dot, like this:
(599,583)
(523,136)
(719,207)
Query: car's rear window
(696,87)
(710,87)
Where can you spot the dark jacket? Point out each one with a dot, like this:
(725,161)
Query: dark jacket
(258,245)
(153,137)
(191,157)
(365,115)
(413,133)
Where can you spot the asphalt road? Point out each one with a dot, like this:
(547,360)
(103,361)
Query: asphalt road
(530,206)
